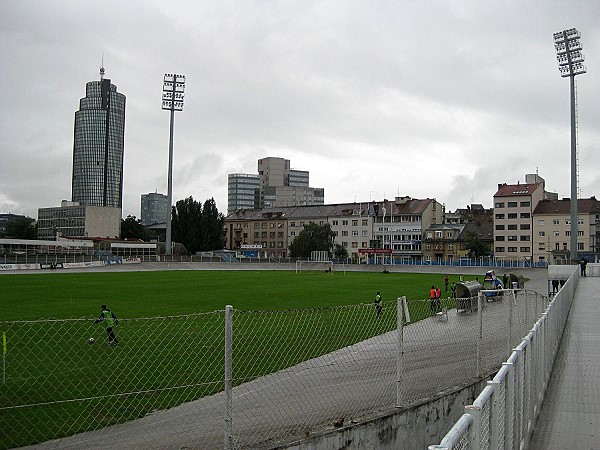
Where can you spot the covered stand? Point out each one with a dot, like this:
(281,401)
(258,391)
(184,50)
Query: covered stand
(466,295)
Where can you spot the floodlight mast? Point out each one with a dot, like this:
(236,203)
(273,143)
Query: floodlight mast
(570,63)
(172,100)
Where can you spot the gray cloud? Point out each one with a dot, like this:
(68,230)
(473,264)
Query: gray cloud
(427,99)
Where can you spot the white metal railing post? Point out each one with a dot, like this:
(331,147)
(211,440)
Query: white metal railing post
(400,302)
(475,429)
(495,415)
(519,366)
(228,438)
(509,407)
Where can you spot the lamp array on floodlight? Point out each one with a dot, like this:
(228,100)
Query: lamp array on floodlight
(173,92)
(568,53)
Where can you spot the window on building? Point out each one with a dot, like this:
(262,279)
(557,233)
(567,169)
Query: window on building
(580,246)
(579,233)
(512,215)
(555,222)
(511,204)
(525,204)
(499,249)
(525,238)
(344,223)
(541,222)
(499,205)
(499,216)
(525,249)
(500,238)
(542,246)
(354,232)
(355,223)
(334,223)
(512,249)
(499,227)
(525,215)
(365,222)
(524,226)
(365,233)
(511,238)
(450,246)
(556,233)
(541,233)
(354,244)
(512,227)
(344,232)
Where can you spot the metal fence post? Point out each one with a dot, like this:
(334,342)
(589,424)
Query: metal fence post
(480,335)
(228,438)
(509,407)
(400,302)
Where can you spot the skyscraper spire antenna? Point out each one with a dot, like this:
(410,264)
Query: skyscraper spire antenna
(102,68)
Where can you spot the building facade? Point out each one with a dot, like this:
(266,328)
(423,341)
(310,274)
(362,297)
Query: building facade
(362,228)
(243,191)
(275,185)
(154,208)
(71,220)
(98,146)
(513,220)
(552,230)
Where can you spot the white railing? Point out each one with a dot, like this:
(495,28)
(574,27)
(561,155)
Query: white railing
(505,412)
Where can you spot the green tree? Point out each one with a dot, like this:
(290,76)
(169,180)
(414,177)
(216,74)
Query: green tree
(212,226)
(476,246)
(313,237)
(132,228)
(21,228)
(340,252)
(198,228)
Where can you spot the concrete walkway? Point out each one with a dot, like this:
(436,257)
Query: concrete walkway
(570,414)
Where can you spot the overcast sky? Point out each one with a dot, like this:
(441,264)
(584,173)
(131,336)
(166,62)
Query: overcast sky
(425,98)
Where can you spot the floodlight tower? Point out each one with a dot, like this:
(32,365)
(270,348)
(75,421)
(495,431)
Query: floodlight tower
(172,100)
(570,63)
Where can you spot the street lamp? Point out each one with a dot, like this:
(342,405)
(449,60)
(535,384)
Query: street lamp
(172,100)
(570,63)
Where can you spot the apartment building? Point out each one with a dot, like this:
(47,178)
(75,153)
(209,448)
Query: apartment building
(268,232)
(552,229)
(513,219)
(398,226)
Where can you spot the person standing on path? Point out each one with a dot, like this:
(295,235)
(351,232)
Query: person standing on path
(446,282)
(110,320)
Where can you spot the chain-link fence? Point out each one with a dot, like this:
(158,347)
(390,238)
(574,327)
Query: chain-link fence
(293,373)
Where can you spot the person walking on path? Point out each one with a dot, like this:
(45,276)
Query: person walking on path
(583,265)
(446,282)
(110,321)
(377,303)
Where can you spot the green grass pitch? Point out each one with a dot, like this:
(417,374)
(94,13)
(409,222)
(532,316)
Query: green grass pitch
(52,368)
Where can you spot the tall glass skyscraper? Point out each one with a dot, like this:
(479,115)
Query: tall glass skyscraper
(98,145)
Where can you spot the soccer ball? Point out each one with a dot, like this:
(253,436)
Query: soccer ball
(91,340)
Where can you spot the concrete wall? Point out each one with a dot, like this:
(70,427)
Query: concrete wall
(412,428)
